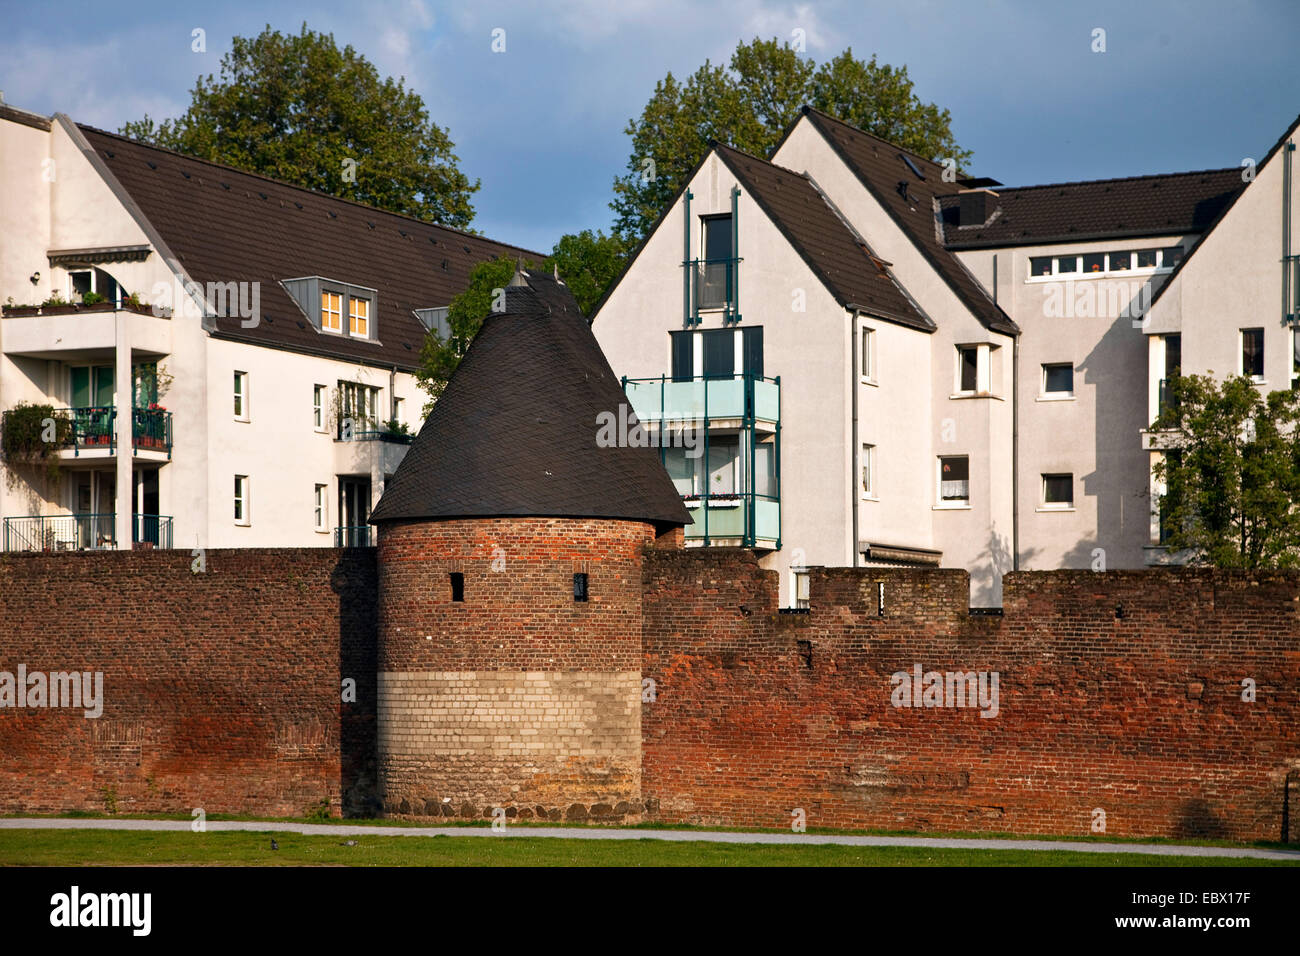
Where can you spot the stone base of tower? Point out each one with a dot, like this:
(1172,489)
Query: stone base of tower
(535,744)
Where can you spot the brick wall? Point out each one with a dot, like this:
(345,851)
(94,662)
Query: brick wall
(517,697)
(1119,692)
(222,689)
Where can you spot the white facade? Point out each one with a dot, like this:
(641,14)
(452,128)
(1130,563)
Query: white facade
(302,476)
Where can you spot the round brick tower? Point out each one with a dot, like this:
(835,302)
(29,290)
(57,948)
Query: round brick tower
(510,551)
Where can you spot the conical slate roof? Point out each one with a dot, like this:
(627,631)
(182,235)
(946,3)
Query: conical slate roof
(514,432)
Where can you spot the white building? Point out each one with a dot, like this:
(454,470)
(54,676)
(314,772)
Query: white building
(963,373)
(289,324)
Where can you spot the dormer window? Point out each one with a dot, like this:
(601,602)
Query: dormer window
(358,317)
(331,312)
(334,307)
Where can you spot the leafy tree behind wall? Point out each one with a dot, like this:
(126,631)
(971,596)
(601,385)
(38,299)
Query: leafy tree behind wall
(1232,473)
(749,104)
(299,109)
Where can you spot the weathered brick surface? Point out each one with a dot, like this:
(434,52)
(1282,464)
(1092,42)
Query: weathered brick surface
(222,689)
(519,696)
(1119,691)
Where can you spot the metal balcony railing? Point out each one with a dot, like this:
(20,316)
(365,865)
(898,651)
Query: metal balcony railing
(352,536)
(87,532)
(714,285)
(95,426)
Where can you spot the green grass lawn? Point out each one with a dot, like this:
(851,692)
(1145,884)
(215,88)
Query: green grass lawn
(115,847)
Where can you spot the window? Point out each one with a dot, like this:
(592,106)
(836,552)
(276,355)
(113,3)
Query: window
(954,481)
(318,407)
(1040,266)
(358,409)
(358,317)
(457,585)
(331,311)
(1120,261)
(241,499)
(715,280)
(967,368)
(1295,358)
(1104,263)
(322,512)
(1171,256)
(1058,381)
(241,396)
(1058,491)
(868,471)
(1094,262)
(869,354)
(398,414)
(719,353)
(1252,354)
(1067,264)
(683,344)
(580,587)
(802,590)
(1146,258)
(724,461)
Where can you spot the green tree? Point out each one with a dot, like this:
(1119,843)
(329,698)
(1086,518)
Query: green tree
(588,262)
(299,109)
(440,356)
(749,104)
(1231,473)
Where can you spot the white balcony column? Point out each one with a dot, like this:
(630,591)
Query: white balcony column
(124,403)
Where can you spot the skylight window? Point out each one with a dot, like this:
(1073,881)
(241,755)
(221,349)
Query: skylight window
(911,165)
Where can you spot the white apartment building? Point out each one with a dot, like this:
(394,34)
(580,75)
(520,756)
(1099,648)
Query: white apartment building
(285,326)
(941,371)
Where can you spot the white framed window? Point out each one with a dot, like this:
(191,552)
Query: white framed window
(1252,354)
(967,370)
(1058,380)
(954,481)
(358,409)
(331,311)
(1058,492)
(242,503)
(1078,265)
(868,466)
(318,407)
(868,355)
(321,515)
(241,397)
(358,317)
(398,410)
(800,590)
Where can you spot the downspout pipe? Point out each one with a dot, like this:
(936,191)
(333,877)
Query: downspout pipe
(854,505)
(1015,434)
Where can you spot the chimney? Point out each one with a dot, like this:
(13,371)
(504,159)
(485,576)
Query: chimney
(976,206)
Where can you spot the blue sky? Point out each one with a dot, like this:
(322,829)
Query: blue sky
(1182,85)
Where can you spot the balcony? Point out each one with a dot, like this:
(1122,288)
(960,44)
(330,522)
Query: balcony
(742,398)
(748,519)
(729,481)
(714,284)
(50,332)
(352,536)
(90,429)
(88,532)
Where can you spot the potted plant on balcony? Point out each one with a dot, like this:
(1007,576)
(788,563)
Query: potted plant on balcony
(57,305)
(92,298)
(396,431)
(151,426)
(33,435)
(13,308)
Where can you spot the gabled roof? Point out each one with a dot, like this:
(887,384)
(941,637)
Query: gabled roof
(830,247)
(515,430)
(1290,131)
(224,225)
(908,186)
(1173,204)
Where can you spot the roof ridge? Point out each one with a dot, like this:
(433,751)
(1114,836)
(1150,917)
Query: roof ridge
(1117,179)
(311,192)
(878,139)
